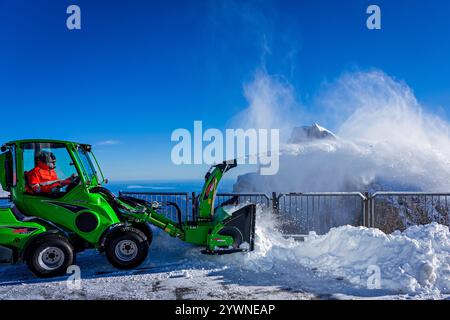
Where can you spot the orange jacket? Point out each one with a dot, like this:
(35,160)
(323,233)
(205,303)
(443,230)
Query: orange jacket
(42,179)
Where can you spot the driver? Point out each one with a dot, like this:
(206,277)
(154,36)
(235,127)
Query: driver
(43,178)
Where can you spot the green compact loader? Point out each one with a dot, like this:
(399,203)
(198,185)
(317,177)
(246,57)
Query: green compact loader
(47,229)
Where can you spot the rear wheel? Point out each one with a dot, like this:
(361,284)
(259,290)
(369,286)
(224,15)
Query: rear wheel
(50,256)
(127,248)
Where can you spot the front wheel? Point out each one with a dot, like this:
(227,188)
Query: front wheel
(50,256)
(127,249)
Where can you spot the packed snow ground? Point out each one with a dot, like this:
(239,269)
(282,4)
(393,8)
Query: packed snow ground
(338,265)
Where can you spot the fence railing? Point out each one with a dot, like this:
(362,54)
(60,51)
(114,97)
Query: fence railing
(301,213)
(261,199)
(390,211)
(184,200)
(295,213)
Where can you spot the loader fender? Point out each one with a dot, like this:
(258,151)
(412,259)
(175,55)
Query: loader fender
(146,229)
(108,232)
(114,230)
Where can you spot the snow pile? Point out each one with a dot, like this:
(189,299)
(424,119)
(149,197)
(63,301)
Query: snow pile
(416,261)
(413,261)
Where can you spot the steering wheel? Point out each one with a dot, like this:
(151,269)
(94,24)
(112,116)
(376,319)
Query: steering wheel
(76,180)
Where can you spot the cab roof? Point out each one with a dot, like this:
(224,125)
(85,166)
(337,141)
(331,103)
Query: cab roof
(15,142)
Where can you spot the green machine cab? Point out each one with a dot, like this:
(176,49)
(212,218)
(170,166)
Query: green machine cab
(46,229)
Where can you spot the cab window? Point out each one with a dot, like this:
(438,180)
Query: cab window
(48,169)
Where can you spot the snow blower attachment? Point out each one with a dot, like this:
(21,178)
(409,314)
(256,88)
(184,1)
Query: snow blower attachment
(223,229)
(232,231)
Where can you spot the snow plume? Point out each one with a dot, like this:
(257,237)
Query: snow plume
(271,104)
(383,110)
(396,138)
(386,140)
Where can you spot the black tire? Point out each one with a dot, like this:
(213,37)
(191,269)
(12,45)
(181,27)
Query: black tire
(50,256)
(233,232)
(127,248)
(147,230)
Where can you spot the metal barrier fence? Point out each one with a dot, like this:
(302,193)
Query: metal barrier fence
(390,211)
(183,200)
(261,199)
(300,213)
(188,201)
(296,213)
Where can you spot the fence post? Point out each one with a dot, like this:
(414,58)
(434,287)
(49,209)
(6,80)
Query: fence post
(275,204)
(372,210)
(366,218)
(194,207)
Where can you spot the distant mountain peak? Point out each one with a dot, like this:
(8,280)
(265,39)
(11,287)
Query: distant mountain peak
(309,133)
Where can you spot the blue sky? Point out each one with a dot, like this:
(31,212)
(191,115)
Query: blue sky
(137,70)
